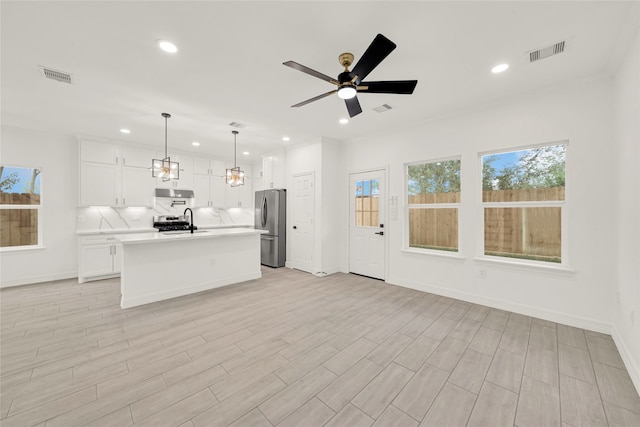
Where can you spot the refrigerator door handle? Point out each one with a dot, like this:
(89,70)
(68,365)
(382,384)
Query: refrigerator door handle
(264,211)
(267,238)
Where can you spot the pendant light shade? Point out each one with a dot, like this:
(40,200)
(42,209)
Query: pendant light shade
(235,176)
(165,168)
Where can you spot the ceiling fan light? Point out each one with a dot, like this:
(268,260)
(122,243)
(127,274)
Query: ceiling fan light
(347,92)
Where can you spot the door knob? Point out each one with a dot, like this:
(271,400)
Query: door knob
(295,228)
(381,233)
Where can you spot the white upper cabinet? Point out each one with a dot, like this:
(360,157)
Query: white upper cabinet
(136,157)
(99,152)
(113,175)
(274,173)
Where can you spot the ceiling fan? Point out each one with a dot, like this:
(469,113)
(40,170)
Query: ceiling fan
(351,82)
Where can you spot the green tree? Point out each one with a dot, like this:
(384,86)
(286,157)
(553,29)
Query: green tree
(438,177)
(542,167)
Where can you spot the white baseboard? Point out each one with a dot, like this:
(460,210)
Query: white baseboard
(553,316)
(31,280)
(629,362)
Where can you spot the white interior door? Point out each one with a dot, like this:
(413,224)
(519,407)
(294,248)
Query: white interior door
(366,224)
(302,226)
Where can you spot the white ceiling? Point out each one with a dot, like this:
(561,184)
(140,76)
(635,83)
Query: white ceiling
(229,64)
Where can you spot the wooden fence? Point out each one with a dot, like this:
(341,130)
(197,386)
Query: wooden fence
(532,233)
(18,227)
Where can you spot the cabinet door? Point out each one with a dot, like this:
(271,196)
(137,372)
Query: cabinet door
(138,157)
(279,170)
(186,172)
(99,184)
(218,168)
(246,195)
(116,253)
(96,260)
(201,191)
(137,187)
(267,172)
(201,166)
(98,152)
(220,191)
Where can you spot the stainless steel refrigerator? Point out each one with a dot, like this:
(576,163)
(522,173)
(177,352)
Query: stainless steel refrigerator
(270,215)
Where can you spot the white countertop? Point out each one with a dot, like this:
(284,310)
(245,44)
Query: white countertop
(152,230)
(154,236)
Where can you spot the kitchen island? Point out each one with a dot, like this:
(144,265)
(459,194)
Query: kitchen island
(158,266)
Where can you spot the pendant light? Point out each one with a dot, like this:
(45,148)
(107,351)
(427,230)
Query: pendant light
(235,176)
(165,168)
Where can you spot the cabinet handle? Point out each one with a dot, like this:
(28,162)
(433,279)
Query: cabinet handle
(124,201)
(115,250)
(110,249)
(116,200)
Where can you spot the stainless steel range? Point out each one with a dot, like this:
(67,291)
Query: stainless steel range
(171,223)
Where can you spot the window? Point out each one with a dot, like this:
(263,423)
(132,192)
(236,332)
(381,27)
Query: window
(367,203)
(522,203)
(433,198)
(20,216)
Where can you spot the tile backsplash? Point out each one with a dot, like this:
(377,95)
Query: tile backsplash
(108,218)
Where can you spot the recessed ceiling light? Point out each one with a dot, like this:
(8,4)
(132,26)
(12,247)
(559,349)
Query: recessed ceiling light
(286,138)
(125,130)
(195,144)
(343,121)
(499,68)
(167,46)
(246,153)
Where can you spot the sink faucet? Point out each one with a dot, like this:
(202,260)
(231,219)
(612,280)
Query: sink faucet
(190,217)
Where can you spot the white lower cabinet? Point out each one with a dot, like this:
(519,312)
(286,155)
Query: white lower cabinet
(99,257)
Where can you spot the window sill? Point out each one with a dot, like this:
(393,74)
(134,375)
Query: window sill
(10,249)
(519,265)
(441,254)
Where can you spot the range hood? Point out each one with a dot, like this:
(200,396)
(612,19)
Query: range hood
(173,193)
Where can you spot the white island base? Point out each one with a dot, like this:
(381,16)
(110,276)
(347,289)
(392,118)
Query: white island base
(159,266)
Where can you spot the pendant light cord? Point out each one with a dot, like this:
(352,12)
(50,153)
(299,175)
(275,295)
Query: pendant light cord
(235,159)
(166,117)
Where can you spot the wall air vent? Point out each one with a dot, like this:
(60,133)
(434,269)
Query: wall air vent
(236,125)
(59,76)
(382,108)
(545,52)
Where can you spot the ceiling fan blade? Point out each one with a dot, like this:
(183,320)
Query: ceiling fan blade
(379,49)
(353,106)
(404,87)
(315,98)
(311,72)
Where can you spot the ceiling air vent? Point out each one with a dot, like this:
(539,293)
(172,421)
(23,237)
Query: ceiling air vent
(545,52)
(382,108)
(236,125)
(60,76)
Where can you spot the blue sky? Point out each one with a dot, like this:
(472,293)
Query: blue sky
(504,159)
(24,178)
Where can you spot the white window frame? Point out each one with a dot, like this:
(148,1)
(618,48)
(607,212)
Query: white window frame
(562,204)
(437,252)
(40,244)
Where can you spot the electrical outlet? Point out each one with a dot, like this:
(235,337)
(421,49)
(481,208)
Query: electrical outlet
(482,273)
(80,218)
(618,297)
(632,317)
(212,261)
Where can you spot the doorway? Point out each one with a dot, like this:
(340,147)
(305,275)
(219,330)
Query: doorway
(303,224)
(366,224)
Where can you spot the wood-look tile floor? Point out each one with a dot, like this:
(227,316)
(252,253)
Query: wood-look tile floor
(292,349)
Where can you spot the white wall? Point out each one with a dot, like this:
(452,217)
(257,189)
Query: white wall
(626,306)
(580,113)
(57,156)
(324,158)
